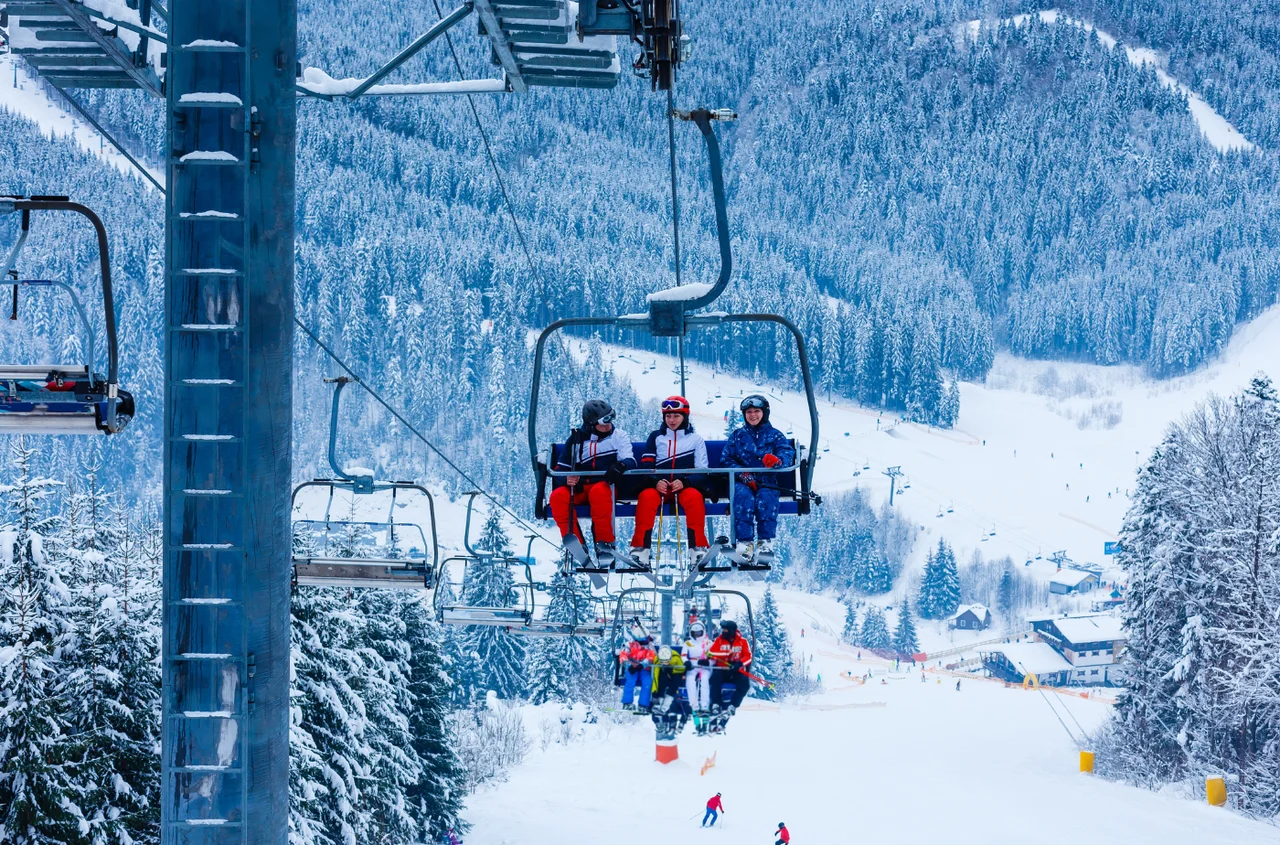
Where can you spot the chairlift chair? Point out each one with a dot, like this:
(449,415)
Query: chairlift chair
(394,553)
(670,315)
(62,398)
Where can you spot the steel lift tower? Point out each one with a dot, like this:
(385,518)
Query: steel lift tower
(229,234)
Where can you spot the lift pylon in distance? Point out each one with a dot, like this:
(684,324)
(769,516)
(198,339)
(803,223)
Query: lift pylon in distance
(62,398)
(352,536)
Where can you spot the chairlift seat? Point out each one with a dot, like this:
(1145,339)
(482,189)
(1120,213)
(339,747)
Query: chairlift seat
(345,572)
(792,500)
(503,617)
(57,399)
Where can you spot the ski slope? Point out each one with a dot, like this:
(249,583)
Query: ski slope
(894,760)
(1018,463)
(1215,128)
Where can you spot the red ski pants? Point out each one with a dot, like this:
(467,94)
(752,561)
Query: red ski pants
(692,506)
(599,495)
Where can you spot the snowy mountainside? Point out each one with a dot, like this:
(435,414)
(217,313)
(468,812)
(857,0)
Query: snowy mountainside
(891,761)
(1043,455)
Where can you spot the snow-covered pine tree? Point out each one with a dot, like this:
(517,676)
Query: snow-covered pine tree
(561,668)
(111,677)
(393,766)
(38,790)
(875,631)
(904,636)
(327,775)
(940,586)
(851,632)
(435,801)
(492,658)
(1004,594)
(771,658)
(732,421)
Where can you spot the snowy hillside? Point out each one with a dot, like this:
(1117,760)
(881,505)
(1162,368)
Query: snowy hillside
(893,760)
(1033,466)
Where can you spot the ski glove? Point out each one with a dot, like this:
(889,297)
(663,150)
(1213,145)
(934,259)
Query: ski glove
(770,460)
(614,474)
(704,662)
(735,665)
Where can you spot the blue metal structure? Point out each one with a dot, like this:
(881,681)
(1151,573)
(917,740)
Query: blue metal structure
(228,421)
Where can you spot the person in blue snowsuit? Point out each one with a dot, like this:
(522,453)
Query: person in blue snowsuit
(755,496)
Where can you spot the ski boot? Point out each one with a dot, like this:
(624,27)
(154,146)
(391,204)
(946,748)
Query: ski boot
(636,561)
(606,556)
(744,552)
(764,553)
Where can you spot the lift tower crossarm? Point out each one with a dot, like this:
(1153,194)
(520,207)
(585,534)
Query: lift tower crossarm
(144,76)
(501,47)
(440,28)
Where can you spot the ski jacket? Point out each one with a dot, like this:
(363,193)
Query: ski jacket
(638,652)
(748,445)
(591,451)
(675,667)
(714,804)
(696,649)
(724,652)
(669,451)
(783,834)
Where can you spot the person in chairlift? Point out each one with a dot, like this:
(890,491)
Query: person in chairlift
(755,495)
(598,445)
(670,449)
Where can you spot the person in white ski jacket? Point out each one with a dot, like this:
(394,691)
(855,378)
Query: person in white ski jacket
(697,679)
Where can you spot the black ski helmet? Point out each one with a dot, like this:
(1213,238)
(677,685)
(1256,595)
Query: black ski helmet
(755,400)
(596,411)
(730,626)
(781,825)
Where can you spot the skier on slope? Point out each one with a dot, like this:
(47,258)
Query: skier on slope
(672,448)
(714,807)
(636,662)
(594,447)
(755,495)
(784,835)
(697,679)
(732,654)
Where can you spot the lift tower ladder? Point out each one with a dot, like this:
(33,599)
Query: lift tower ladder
(228,419)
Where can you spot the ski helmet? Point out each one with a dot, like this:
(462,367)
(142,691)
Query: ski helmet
(696,629)
(755,400)
(728,626)
(676,405)
(664,654)
(781,825)
(596,411)
(638,632)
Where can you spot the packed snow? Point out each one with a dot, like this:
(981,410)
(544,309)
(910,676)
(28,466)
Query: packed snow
(888,760)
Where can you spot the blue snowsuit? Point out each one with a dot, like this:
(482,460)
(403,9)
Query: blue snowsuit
(747,447)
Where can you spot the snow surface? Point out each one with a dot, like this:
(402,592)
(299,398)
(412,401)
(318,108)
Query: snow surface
(22,95)
(683,293)
(1215,128)
(889,761)
(1094,628)
(316,81)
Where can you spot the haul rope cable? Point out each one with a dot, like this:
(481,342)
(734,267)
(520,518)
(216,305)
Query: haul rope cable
(399,416)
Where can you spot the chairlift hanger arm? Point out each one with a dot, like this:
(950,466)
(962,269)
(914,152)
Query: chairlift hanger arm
(703,118)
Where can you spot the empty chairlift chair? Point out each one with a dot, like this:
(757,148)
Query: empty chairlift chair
(62,398)
(353,531)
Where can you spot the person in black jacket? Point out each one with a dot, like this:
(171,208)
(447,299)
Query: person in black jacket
(597,446)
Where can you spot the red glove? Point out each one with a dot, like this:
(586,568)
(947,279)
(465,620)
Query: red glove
(755,488)
(771,460)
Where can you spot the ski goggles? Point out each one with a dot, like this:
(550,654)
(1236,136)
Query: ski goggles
(607,419)
(753,402)
(672,405)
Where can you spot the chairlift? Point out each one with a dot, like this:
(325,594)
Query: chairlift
(62,398)
(671,315)
(347,549)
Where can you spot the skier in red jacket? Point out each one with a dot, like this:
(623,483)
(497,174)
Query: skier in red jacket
(713,807)
(784,836)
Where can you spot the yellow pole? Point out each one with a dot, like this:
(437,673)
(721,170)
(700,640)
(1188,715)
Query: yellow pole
(1086,762)
(1215,790)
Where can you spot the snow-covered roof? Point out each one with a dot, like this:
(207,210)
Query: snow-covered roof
(1071,577)
(1036,658)
(1101,627)
(979,610)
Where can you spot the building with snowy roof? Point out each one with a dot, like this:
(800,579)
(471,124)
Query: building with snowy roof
(1015,661)
(1091,642)
(970,617)
(1073,581)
